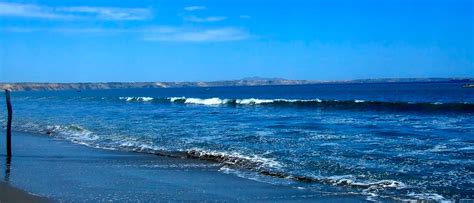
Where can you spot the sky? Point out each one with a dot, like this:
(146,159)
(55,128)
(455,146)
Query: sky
(208,40)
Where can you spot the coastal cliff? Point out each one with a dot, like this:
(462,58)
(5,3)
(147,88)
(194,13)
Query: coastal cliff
(253,81)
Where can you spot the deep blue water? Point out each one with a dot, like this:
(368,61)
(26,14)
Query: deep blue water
(397,141)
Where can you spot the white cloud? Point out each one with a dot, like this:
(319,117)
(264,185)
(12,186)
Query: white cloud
(244,17)
(110,13)
(161,33)
(82,12)
(205,19)
(205,35)
(103,31)
(29,11)
(194,8)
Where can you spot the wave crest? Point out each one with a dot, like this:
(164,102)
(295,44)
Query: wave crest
(235,159)
(138,99)
(73,133)
(315,103)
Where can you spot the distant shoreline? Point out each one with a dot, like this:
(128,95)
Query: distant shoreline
(43,86)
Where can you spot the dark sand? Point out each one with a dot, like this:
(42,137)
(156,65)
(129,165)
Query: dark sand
(11,194)
(63,171)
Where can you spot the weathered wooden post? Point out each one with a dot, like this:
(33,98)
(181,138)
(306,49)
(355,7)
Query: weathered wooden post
(7,169)
(9,123)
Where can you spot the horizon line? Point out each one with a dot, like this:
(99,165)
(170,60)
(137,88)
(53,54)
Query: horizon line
(264,79)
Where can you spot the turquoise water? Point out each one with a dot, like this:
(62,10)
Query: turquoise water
(396,141)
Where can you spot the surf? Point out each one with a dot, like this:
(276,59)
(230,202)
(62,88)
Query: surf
(357,104)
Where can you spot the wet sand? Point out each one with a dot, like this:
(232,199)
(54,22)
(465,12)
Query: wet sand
(63,171)
(11,194)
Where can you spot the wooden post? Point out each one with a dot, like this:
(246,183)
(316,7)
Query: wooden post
(9,124)
(7,169)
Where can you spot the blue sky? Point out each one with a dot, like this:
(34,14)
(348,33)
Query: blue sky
(203,40)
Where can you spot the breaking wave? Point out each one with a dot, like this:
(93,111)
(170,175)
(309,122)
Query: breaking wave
(256,164)
(317,103)
(261,165)
(73,133)
(143,99)
(253,162)
(80,135)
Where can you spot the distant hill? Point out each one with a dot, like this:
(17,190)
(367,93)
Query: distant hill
(251,81)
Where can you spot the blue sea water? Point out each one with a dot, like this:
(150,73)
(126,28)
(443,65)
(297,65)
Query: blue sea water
(383,141)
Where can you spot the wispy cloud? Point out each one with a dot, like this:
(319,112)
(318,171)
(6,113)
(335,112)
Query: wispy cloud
(69,30)
(194,8)
(148,33)
(244,17)
(81,12)
(209,19)
(29,11)
(110,13)
(159,33)
(19,29)
(204,35)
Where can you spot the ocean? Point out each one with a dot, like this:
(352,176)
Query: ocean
(398,141)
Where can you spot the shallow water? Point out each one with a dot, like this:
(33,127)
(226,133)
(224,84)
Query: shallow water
(397,141)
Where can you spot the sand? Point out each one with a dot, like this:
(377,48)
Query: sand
(11,194)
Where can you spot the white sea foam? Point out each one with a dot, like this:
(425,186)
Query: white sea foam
(440,148)
(253,176)
(468,148)
(253,101)
(249,101)
(143,99)
(174,99)
(235,158)
(320,136)
(138,146)
(369,186)
(429,196)
(73,133)
(146,98)
(181,165)
(210,101)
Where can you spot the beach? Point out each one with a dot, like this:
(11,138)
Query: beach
(61,171)
(237,101)
(11,194)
